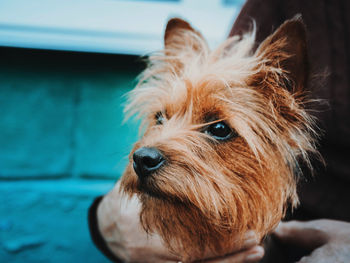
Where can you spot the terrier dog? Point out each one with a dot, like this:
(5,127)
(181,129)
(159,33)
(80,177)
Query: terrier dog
(224,134)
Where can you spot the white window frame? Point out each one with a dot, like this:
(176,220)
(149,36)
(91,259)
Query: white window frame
(108,26)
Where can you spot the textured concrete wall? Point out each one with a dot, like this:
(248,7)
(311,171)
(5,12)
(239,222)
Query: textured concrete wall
(46,221)
(62,142)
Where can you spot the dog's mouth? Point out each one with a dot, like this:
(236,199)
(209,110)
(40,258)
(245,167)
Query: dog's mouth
(148,186)
(152,186)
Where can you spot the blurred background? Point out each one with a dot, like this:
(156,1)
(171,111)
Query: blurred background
(64,67)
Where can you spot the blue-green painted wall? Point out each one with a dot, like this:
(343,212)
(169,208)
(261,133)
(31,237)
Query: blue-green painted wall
(62,142)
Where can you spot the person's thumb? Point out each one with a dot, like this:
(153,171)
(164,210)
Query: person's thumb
(303,234)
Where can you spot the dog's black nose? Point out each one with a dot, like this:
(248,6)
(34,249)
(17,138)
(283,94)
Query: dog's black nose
(146,161)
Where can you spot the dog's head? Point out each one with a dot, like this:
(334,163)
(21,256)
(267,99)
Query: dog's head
(223,133)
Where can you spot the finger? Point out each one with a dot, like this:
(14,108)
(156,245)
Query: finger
(250,240)
(254,255)
(303,234)
(251,255)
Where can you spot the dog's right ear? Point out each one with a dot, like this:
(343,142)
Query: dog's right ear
(180,35)
(286,49)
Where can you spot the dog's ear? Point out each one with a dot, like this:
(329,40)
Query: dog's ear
(180,35)
(286,49)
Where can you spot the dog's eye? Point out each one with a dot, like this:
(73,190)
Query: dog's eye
(159,118)
(220,131)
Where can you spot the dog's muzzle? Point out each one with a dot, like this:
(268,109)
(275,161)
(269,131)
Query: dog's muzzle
(146,161)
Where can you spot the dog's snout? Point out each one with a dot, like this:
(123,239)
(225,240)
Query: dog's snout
(147,160)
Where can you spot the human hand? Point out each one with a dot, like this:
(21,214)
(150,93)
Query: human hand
(251,253)
(119,225)
(329,240)
(118,222)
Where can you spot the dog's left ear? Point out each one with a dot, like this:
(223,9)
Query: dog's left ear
(286,49)
(180,35)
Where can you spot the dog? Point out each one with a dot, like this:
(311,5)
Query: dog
(225,132)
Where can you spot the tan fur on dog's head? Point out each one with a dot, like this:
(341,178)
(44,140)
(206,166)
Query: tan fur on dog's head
(212,190)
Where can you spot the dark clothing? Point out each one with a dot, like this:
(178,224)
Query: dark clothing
(327,195)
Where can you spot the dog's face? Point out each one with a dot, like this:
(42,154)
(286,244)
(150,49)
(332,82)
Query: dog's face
(224,131)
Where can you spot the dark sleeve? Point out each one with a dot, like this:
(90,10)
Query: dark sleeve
(267,14)
(95,233)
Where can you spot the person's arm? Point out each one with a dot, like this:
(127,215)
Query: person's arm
(267,15)
(328,240)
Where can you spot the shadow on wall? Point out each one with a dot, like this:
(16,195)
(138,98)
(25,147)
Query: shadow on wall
(62,143)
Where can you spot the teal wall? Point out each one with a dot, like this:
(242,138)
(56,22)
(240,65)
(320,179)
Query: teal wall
(62,142)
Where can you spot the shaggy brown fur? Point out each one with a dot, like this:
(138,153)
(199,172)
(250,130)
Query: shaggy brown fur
(211,192)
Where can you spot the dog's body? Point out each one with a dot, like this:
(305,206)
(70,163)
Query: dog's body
(225,131)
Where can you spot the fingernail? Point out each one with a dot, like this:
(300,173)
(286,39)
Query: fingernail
(255,254)
(250,235)
(250,242)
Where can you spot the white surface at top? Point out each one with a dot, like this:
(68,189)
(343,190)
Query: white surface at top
(108,26)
